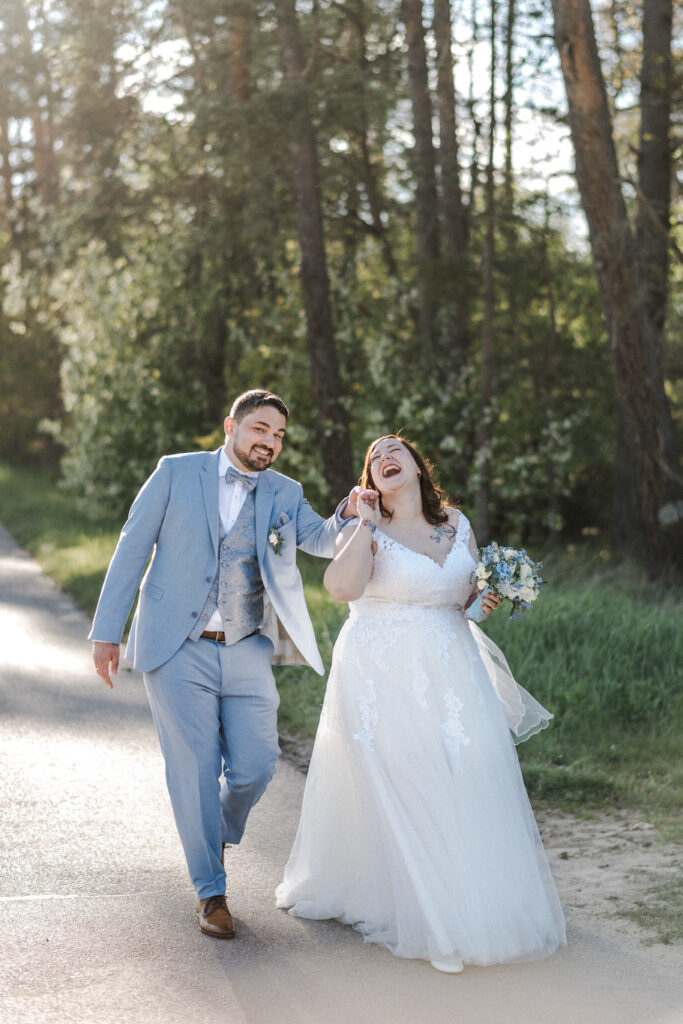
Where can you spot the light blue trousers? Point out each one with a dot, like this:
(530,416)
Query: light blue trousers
(215,712)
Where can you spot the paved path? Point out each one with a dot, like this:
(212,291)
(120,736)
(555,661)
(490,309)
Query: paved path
(97,922)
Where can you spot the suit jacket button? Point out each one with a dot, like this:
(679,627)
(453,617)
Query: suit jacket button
(195,614)
(209,578)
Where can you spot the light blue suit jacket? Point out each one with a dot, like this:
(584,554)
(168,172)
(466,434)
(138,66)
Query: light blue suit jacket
(175,519)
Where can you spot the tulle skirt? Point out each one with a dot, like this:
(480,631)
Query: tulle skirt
(415,827)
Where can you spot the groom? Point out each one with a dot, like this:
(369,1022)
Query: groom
(221,599)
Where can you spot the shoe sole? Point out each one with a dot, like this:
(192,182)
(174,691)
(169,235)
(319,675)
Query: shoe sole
(217,935)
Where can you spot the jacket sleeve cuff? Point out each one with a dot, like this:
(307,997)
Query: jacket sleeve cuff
(338,514)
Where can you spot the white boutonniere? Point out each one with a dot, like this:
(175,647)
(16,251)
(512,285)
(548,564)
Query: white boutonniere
(274,539)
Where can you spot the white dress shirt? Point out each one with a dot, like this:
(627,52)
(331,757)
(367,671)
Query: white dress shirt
(230,500)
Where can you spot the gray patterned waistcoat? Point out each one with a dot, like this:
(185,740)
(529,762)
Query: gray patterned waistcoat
(237,589)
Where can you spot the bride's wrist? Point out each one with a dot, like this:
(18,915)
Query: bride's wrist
(367,524)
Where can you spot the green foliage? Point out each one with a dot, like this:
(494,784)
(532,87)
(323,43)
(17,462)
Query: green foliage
(29,349)
(126,392)
(162,276)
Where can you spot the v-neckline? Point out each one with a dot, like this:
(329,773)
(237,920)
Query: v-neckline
(423,554)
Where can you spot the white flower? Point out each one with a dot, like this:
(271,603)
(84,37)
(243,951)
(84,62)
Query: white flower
(274,539)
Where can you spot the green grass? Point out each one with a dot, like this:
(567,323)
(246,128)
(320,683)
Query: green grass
(660,911)
(73,547)
(603,649)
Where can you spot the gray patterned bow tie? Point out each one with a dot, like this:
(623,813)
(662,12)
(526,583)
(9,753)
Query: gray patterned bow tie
(232,475)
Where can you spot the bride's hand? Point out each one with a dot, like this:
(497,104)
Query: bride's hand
(490,603)
(368,506)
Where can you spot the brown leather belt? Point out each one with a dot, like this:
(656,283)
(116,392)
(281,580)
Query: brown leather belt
(219,637)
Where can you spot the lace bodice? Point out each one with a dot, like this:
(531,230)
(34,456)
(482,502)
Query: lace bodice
(401,575)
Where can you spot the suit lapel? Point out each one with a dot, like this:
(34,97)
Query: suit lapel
(264,497)
(208,476)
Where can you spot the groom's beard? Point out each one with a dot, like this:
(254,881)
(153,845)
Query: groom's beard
(256,461)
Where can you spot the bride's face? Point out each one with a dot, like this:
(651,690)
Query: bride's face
(392,466)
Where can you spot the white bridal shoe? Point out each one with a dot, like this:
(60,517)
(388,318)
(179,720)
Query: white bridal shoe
(447,968)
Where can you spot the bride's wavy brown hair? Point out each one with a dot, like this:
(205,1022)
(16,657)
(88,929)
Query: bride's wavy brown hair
(433,498)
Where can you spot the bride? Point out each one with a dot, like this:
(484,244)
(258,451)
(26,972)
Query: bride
(415,827)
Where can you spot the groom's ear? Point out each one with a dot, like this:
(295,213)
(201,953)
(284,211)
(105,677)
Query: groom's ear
(228,424)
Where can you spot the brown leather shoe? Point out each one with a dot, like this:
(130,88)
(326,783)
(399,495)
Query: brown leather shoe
(215,918)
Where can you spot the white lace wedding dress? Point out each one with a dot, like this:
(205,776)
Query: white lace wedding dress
(416,828)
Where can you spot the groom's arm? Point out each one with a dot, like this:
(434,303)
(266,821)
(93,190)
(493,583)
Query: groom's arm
(137,539)
(316,535)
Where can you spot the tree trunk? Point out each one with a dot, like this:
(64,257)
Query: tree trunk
(424,163)
(239,40)
(639,384)
(333,429)
(206,360)
(454,212)
(44,158)
(509,107)
(369,173)
(472,110)
(549,375)
(5,152)
(487,335)
(654,159)
(508,212)
(652,249)
(654,174)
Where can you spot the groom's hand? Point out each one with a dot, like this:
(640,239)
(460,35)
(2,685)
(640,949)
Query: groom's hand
(106,658)
(350,509)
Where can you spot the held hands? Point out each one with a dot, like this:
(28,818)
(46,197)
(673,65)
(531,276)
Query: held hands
(106,658)
(367,503)
(355,494)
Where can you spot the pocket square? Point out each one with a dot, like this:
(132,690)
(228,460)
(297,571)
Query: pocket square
(282,520)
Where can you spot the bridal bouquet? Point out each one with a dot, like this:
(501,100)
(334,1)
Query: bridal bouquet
(509,574)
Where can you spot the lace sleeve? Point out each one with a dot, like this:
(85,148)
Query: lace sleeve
(463,530)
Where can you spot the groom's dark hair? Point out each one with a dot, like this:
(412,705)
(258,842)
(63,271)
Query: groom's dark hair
(250,400)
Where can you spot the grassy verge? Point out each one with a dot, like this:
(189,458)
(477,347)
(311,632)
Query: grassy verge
(73,547)
(603,649)
(660,911)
